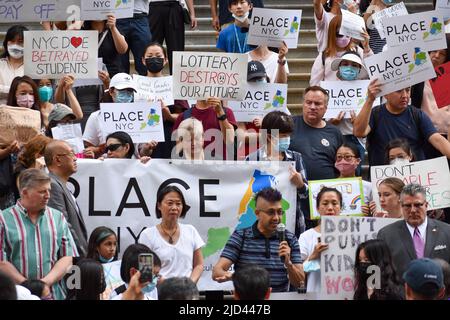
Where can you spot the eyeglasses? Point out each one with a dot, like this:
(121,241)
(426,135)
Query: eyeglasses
(410,205)
(70,154)
(347,157)
(113,147)
(273,212)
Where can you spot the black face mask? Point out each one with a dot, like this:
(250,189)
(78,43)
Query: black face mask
(362,269)
(154,64)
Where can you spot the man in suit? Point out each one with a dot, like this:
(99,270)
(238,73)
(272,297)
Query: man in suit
(416,236)
(62,163)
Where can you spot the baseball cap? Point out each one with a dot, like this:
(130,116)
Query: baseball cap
(255,69)
(122,81)
(424,276)
(354,57)
(59,112)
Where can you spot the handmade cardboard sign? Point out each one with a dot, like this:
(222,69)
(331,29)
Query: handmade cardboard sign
(154,89)
(271,27)
(71,133)
(100,9)
(377,19)
(17,123)
(352,25)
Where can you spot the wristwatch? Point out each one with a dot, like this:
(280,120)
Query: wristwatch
(282,62)
(222,117)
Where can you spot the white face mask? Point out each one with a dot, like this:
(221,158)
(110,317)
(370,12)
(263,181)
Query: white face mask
(15,51)
(399,161)
(241,19)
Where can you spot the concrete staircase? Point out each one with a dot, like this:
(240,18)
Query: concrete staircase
(300,59)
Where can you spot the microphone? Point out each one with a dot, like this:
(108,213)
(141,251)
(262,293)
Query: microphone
(281,231)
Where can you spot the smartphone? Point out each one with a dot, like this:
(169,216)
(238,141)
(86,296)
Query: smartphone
(146,267)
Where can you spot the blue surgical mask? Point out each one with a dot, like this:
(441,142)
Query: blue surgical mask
(348,73)
(283,144)
(151,286)
(124,96)
(104,260)
(45,93)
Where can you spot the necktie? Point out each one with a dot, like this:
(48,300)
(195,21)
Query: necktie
(419,244)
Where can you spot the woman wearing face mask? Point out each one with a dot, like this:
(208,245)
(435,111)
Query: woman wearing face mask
(277,127)
(23,93)
(337,45)
(102,245)
(398,151)
(11,61)
(375,252)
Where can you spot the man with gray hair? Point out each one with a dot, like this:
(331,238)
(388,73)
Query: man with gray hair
(417,236)
(35,240)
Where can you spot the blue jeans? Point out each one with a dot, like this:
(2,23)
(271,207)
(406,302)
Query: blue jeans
(137,34)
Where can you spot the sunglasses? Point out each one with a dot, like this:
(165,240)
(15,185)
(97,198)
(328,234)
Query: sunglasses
(113,147)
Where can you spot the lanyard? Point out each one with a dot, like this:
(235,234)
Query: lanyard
(237,39)
(102,38)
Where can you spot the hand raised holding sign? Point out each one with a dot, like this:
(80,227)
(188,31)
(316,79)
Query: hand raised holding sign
(111,22)
(296,178)
(337,121)
(318,248)
(282,51)
(373,90)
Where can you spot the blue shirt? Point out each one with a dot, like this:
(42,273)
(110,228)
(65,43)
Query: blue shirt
(233,40)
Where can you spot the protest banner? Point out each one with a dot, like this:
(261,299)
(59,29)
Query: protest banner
(352,25)
(350,188)
(345,96)
(54,54)
(377,18)
(260,99)
(271,27)
(17,123)
(121,194)
(143,121)
(15,11)
(343,235)
(198,75)
(100,9)
(439,85)
(154,89)
(443,7)
(400,68)
(433,174)
(71,133)
(423,29)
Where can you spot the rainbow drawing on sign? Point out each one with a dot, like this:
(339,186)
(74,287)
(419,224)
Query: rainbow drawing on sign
(353,203)
(278,101)
(435,28)
(293,28)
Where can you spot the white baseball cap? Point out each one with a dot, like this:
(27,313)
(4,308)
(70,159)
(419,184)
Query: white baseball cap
(354,57)
(122,81)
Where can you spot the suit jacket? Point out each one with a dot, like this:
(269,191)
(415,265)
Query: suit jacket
(62,200)
(400,242)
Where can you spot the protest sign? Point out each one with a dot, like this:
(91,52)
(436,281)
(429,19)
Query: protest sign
(121,194)
(350,188)
(424,30)
(154,89)
(352,25)
(71,133)
(90,82)
(345,96)
(198,75)
(400,68)
(100,9)
(433,174)
(439,85)
(343,235)
(443,7)
(260,99)
(15,11)
(271,27)
(17,123)
(378,18)
(143,121)
(54,54)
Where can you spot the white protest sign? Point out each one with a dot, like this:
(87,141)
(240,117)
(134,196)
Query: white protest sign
(345,96)
(343,235)
(443,7)
(154,89)
(260,99)
(53,54)
(400,68)
(352,25)
(14,11)
(271,27)
(423,29)
(396,10)
(90,82)
(143,121)
(100,9)
(71,133)
(350,188)
(433,174)
(121,194)
(201,75)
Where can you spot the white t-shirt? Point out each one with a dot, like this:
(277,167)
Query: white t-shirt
(307,242)
(271,65)
(322,29)
(25,294)
(147,296)
(7,75)
(176,259)
(93,131)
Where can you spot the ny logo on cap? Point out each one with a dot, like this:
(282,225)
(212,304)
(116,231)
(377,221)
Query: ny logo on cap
(253,67)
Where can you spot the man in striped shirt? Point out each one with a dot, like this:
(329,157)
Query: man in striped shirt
(260,245)
(35,240)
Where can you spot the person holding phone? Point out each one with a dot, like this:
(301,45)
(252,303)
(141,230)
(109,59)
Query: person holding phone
(177,245)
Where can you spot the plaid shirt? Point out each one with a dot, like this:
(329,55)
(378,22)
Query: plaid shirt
(34,249)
